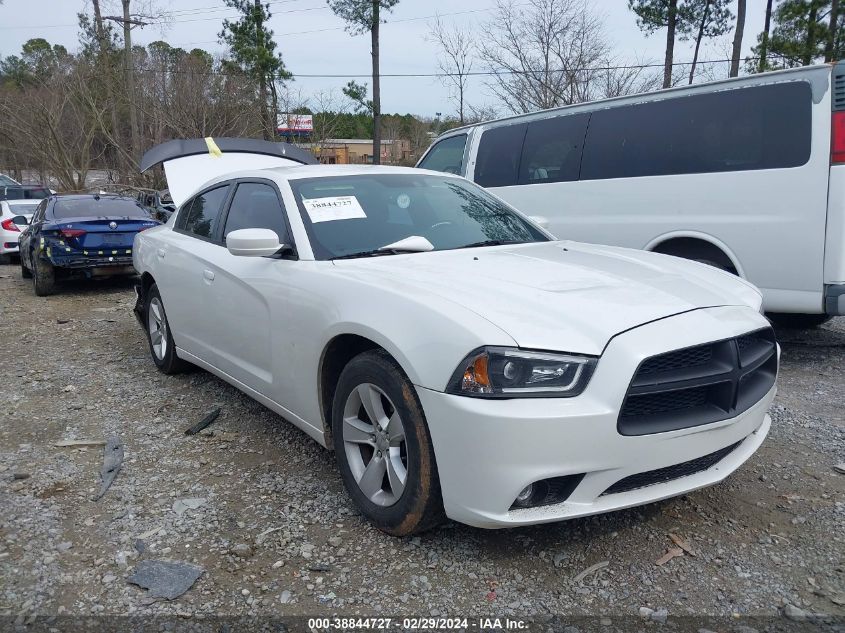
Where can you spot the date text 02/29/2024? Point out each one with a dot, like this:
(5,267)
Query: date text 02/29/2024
(414,624)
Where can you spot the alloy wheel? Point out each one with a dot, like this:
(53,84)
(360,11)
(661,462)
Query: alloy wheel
(374,441)
(157,327)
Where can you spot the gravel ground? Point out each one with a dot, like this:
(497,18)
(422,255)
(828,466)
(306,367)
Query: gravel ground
(277,535)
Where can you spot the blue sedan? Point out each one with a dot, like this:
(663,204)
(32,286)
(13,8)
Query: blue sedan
(81,235)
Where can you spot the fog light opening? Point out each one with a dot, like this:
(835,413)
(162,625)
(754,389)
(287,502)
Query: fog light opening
(524,497)
(547,492)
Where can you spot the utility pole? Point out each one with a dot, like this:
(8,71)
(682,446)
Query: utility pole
(127,22)
(130,81)
(376,86)
(262,77)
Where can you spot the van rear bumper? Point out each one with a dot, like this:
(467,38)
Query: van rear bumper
(834,300)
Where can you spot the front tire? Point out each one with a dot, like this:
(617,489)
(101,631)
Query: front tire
(383,447)
(43,277)
(162,347)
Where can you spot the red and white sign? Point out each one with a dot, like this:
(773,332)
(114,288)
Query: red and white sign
(295,123)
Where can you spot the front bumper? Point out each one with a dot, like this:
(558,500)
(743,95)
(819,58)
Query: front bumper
(489,450)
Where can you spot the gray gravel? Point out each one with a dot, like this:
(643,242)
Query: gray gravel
(261,509)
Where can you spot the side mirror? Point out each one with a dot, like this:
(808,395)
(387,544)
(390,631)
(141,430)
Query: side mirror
(539,220)
(20,220)
(253,242)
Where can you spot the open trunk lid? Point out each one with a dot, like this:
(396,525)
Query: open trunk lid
(189,163)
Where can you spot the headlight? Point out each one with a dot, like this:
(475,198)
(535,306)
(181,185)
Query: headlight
(501,372)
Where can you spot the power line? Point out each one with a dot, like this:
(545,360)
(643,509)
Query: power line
(488,73)
(401,20)
(178,13)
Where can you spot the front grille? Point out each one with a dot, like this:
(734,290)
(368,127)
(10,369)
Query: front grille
(690,357)
(669,473)
(699,385)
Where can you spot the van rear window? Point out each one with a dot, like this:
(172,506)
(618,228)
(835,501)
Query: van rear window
(764,127)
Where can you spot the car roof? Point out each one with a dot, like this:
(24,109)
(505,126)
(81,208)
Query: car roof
(93,196)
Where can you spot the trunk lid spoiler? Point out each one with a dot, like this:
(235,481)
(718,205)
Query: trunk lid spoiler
(189,163)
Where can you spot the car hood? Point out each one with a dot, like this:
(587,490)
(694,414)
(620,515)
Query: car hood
(563,296)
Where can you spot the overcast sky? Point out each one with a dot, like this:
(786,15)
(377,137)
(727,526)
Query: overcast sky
(312,40)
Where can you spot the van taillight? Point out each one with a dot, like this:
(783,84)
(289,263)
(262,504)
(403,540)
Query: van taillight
(837,138)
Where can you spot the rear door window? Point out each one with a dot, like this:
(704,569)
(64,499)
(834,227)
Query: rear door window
(498,156)
(552,149)
(446,155)
(201,214)
(256,206)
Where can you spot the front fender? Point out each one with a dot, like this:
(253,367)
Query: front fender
(428,336)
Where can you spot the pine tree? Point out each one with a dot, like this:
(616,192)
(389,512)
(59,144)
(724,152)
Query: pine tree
(804,32)
(673,15)
(364,16)
(253,52)
(705,19)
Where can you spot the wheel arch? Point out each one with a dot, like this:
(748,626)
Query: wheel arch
(676,242)
(147,281)
(337,353)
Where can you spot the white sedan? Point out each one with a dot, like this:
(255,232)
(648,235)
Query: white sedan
(14,218)
(460,361)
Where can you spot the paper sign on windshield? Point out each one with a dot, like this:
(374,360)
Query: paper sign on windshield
(335,208)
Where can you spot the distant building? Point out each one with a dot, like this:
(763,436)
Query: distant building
(359,151)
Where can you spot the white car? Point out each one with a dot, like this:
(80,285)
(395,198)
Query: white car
(459,360)
(11,225)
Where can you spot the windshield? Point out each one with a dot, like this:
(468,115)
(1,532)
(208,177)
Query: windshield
(98,208)
(345,215)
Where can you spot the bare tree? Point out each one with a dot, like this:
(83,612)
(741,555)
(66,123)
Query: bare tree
(542,55)
(50,124)
(329,110)
(455,60)
(620,79)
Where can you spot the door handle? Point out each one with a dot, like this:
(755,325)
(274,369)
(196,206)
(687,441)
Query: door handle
(160,253)
(209,275)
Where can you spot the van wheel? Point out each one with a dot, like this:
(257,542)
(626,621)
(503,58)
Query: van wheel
(43,277)
(383,447)
(798,321)
(162,347)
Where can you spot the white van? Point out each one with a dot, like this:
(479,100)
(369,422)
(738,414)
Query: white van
(746,174)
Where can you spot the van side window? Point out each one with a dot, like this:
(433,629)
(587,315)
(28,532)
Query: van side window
(552,149)
(762,127)
(446,156)
(498,156)
(199,216)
